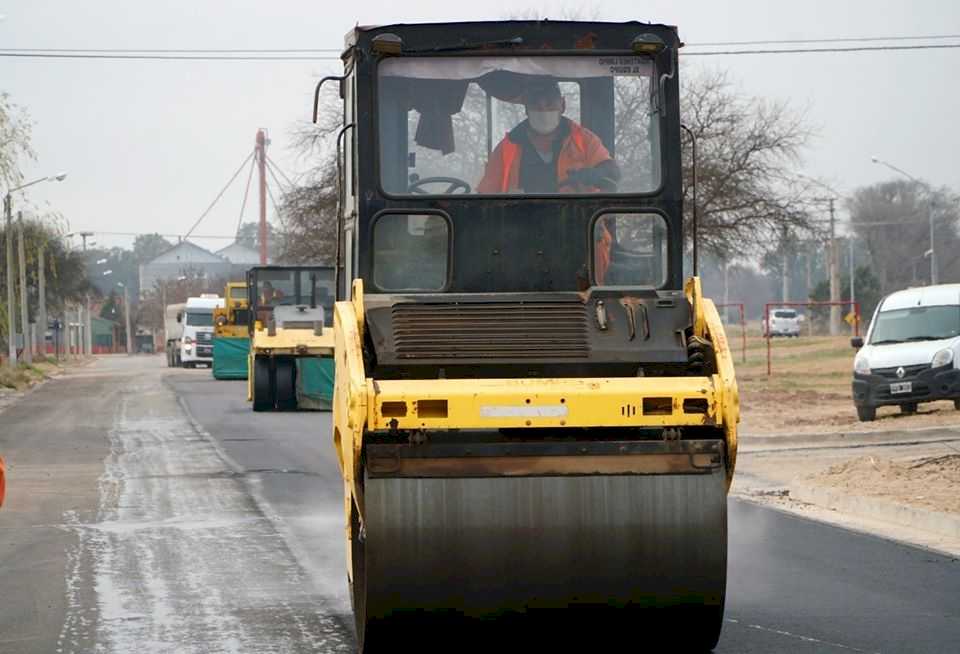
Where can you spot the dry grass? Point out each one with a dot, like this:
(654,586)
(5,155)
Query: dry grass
(809,390)
(24,376)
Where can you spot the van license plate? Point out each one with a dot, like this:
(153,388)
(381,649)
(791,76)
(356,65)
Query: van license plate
(901,387)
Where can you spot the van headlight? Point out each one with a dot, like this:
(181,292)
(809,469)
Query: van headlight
(943,358)
(861,365)
(187,347)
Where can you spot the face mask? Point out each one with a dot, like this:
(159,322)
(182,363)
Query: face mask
(544,122)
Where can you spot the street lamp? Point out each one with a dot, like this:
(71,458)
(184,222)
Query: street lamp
(8,215)
(932,250)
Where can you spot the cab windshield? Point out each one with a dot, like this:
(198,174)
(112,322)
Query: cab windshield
(199,319)
(916,324)
(290,287)
(518,125)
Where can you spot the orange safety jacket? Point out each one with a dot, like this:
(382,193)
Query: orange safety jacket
(582,149)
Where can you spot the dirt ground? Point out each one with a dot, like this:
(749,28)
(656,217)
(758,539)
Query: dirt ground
(930,482)
(808,393)
(808,390)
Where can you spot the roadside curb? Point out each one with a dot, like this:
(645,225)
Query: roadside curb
(944,524)
(849,439)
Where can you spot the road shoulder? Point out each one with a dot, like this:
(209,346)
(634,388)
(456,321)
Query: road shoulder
(858,481)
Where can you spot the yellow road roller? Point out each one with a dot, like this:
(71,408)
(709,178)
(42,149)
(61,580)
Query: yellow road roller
(290,365)
(535,412)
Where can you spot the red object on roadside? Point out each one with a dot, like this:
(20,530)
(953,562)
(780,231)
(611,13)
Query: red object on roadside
(3,480)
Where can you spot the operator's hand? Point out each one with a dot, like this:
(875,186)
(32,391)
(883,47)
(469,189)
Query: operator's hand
(589,177)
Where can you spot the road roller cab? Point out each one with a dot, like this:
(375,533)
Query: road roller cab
(290,365)
(533,408)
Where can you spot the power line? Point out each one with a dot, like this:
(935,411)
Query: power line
(149,57)
(219,195)
(178,236)
(276,180)
(278,169)
(246,193)
(337,51)
(174,50)
(277,55)
(878,48)
(852,39)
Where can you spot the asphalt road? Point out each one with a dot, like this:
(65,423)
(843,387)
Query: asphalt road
(150,510)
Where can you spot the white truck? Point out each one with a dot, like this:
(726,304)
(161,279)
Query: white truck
(172,331)
(189,330)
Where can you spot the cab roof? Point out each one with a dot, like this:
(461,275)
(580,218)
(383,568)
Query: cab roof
(456,28)
(923,296)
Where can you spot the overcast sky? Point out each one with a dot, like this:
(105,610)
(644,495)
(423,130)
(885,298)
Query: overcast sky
(149,144)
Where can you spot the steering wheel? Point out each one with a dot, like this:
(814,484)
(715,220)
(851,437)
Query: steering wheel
(454,184)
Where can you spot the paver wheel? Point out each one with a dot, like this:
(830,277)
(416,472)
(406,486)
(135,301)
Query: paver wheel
(262,385)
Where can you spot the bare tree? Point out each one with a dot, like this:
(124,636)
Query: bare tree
(15,127)
(748,150)
(892,219)
(308,211)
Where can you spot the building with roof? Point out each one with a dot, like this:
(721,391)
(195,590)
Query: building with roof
(189,259)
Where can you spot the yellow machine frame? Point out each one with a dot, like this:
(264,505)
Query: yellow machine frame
(225,323)
(361,403)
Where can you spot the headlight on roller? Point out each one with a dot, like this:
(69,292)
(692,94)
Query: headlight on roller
(943,358)
(861,365)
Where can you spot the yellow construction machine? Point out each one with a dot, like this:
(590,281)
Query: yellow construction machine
(290,364)
(535,413)
(231,333)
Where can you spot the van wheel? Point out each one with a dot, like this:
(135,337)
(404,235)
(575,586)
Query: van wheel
(956,405)
(867,413)
(908,408)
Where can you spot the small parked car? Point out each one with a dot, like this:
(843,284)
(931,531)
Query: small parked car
(783,322)
(911,353)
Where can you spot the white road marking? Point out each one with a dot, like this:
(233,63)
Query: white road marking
(806,639)
(180,558)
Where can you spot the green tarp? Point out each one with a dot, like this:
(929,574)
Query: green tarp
(230,358)
(315,383)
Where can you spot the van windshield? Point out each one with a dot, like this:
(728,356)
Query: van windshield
(916,324)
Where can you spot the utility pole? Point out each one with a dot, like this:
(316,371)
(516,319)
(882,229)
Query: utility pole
(726,291)
(853,274)
(933,247)
(262,169)
(42,300)
(834,275)
(87,321)
(126,318)
(24,309)
(11,309)
(786,268)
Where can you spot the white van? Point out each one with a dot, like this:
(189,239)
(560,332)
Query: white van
(911,353)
